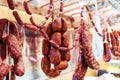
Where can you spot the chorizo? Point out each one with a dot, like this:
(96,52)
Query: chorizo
(30,27)
(49,29)
(65,55)
(2,49)
(81,68)
(2,26)
(45,64)
(25,4)
(63,65)
(54,44)
(61,6)
(64,25)
(65,40)
(13,29)
(4,69)
(33,23)
(46,47)
(13,45)
(57,24)
(11,4)
(106,54)
(53,73)
(17,17)
(55,56)
(87,50)
(44,34)
(56,37)
(19,67)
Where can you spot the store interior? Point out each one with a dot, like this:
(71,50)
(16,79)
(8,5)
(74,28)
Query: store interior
(60,39)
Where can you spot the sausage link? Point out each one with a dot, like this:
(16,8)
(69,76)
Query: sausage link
(30,27)
(65,55)
(87,49)
(13,45)
(49,29)
(56,37)
(55,56)
(2,26)
(53,73)
(25,4)
(65,40)
(13,29)
(63,65)
(33,22)
(64,25)
(81,68)
(19,67)
(106,54)
(45,47)
(11,4)
(45,64)
(57,24)
(4,69)
(17,17)
(2,49)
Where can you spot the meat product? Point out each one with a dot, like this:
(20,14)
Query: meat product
(2,26)
(56,37)
(57,24)
(106,46)
(13,29)
(30,27)
(61,6)
(64,25)
(46,47)
(11,4)
(49,29)
(55,47)
(65,40)
(45,64)
(33,22)
(4,69)
(51,4)
(81,67)
(2,49)
(55,56)
(25,4)
(113,42)
(65,55)
(48,14)
(106,54)
(44,34)
(63,65)
(13,75)
(54,44)
(17,17)
(53,73)
(19,67)
(13,45)
(87,49)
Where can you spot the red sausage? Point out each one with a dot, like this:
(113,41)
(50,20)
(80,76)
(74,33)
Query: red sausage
(11,4)
(17,17)
(19,67)
(25,4)
(32,22)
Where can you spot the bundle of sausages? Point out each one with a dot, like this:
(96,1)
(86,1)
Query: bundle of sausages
(56,30)
(11,39)
(111,45)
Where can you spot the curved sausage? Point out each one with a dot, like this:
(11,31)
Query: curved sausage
(13,45)
(25,4)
